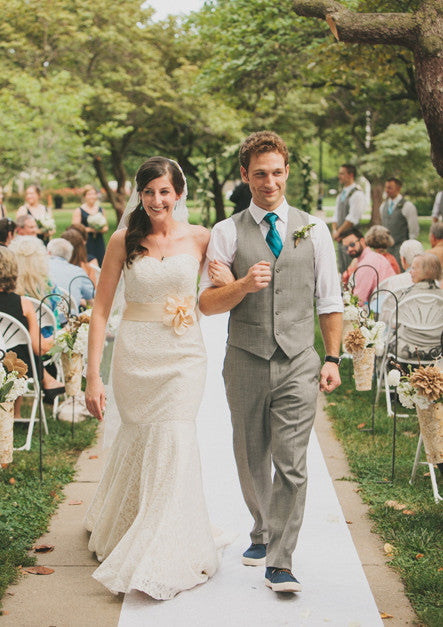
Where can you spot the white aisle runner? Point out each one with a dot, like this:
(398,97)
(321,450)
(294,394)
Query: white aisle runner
(335,589)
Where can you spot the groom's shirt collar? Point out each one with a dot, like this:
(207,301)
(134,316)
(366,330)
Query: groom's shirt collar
(258,213)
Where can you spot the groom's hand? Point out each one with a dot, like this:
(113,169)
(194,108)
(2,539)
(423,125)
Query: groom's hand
(259,276)
(329,377)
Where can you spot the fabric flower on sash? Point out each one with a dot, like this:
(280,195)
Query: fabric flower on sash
(179,313)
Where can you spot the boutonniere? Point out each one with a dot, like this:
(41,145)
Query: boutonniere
(301,233)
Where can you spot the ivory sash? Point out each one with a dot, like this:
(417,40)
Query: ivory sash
(144,312)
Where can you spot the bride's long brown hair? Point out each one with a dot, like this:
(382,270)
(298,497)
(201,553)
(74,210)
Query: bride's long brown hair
(139,224)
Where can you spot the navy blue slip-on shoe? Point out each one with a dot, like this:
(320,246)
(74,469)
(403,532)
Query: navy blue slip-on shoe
(281,580)
(255,555)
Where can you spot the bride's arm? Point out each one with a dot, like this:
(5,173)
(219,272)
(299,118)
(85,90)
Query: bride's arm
(109,277)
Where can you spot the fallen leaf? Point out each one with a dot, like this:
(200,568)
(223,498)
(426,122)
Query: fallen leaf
(12,481)
(332,404)
(361,425)
(419,556)
(426,474)
(440,569)
(43,548)
(74,502)
(349,522)
(408,512)
(93,457)
(409,434)
(395,505)
(384,615)
(4,613)
(388,548)
(38,570)
(5,465)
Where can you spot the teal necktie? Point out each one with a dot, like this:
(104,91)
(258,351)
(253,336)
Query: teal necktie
(273,238)
(343,194)
(391,207)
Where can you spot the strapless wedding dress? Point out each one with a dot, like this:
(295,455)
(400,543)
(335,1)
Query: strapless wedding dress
(149,523)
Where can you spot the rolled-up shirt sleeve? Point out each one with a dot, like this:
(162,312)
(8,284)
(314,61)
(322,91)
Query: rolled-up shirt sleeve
(357,207)
(410,213)
(327,283)
(222,246)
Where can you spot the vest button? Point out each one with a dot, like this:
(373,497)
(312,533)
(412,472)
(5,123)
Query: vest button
(277,270)
(278,291)
(277,333)
(277,313)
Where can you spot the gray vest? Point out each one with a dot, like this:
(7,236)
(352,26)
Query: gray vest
(282,314)
(343,207)
(396,222)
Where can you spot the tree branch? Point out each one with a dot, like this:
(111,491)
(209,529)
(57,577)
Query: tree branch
(352,27)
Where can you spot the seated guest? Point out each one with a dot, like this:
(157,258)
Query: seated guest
(436,239)
(26,225)
(364,281)
(62,272)
(23,311)
(79,255)
(408,250)
(379,239)
(33,274)
(7,231)
(425,274)
(80,228)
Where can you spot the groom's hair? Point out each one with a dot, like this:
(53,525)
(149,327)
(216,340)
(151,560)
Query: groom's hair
(262,141)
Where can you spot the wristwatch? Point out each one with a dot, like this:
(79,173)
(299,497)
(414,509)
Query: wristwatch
(334,360)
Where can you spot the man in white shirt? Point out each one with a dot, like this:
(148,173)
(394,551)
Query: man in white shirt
(282,259)
(349,209)
(399,216)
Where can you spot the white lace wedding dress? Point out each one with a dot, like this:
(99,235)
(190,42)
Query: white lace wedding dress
(149,523)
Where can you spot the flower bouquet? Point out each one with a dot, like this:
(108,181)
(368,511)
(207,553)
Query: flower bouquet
(13,383)
(46,224)
(72,343)
(97,221)
(422,390)
(364,343)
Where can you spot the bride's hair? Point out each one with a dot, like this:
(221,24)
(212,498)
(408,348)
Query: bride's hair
(139,224)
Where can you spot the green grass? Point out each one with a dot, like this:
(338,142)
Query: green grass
(26,503)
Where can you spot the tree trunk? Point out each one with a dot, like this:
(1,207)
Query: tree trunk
(217,190)
(376,198)
(421,32)
(117,198)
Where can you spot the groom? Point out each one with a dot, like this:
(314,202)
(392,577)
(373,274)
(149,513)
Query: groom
(282,259)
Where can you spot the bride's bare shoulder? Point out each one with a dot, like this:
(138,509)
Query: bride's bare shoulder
(118,237)
(200,234)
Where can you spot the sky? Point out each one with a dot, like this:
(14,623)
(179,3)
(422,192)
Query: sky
(174,7)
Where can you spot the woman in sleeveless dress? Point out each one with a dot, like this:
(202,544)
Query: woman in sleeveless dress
(95,245)
(149,523)
(37,210)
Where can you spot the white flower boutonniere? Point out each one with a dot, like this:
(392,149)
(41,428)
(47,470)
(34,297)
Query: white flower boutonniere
(301,233)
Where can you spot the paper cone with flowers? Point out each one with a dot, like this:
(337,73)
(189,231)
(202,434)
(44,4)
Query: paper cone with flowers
(422,389)
(364,342)
(72,343)
(13,383)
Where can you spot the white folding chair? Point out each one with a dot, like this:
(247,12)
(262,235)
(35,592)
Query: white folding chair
(420,320)
(15,333)
(417,461)
(49,320)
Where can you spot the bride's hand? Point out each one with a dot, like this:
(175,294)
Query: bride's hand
(95,397)
(220,274)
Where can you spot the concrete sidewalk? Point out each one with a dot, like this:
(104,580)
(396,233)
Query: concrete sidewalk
(71,597)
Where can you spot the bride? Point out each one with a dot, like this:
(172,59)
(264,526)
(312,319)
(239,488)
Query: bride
(148,519)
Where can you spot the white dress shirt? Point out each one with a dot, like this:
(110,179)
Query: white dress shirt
(223,247)
(357,205)
(410,214)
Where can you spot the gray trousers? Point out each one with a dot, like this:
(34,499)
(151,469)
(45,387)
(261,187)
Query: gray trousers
(272,405)
(395,250)
(343,258)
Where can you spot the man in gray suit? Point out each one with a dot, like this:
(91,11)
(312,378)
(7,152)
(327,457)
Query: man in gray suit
(282,259)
